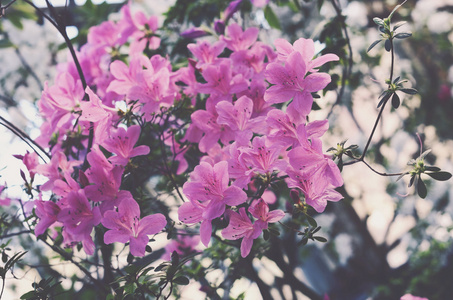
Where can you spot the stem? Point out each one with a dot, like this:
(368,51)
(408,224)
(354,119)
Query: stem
(348,66)
(383,105)
(3,286)
(24,137)
(3,9)
(68,257)
(14,234)
(62,30)
(356,160)
(28,68)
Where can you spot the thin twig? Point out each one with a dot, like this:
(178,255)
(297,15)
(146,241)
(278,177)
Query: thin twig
(347,69)
(23,136)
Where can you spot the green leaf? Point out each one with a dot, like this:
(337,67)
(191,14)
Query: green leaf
(271,18)
(303,242)
(340,164)
(440,176)
(421,188)
(409,91)
(273,231)
(386,97)
(395,101)
(6,43)
(14,259)
(425,153)
(266,234)
(316,229)
(379,21)
(411,182)
(160,267)
(402,175)
(398,25)
(311,221)
(388,45)
(29,295)
(432,168)
(373,44)
(320,239)
(396,7)
(181,280)
(403,35)
(396,79)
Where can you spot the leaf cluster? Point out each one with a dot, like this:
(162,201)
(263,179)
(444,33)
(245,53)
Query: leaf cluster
(419,168)
(42,290)
(387,32)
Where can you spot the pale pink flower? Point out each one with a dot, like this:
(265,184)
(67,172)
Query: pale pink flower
(126,226)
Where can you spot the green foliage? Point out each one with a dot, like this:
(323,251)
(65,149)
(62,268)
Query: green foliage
(42,290)
(271,17)
(18,12)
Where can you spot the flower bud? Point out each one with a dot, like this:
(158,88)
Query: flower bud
(194,32)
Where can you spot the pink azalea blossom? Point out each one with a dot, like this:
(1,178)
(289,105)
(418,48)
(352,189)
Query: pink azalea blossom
(260,210)
(145,35)
(210,183)
(126,76)
(126,226)
(79,219)
(206,122)
(206,53)
(241,226)
(183,245)
(290,82)
(263,157)
(237,117)
(237,40)
(122,143)
(57,168)
(221,81)
(31,161)
(94,110)
(47,212)
(306,47)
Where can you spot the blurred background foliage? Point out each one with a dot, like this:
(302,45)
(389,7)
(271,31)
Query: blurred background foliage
(381,244)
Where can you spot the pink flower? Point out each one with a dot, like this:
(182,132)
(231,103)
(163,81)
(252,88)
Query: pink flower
(146,33)
(240,226)
(260,210)
(79,219)
(306,47)
(126,226)
(220,80)
(183,245)
(237,117)
(290,82)
(206,122)
(31,161)
(94,110)
(263,157)
(237,39)
(206,53)
(122,142)
(210,184)
(57,168)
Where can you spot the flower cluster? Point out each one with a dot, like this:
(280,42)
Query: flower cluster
(245,138)
(246,130)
